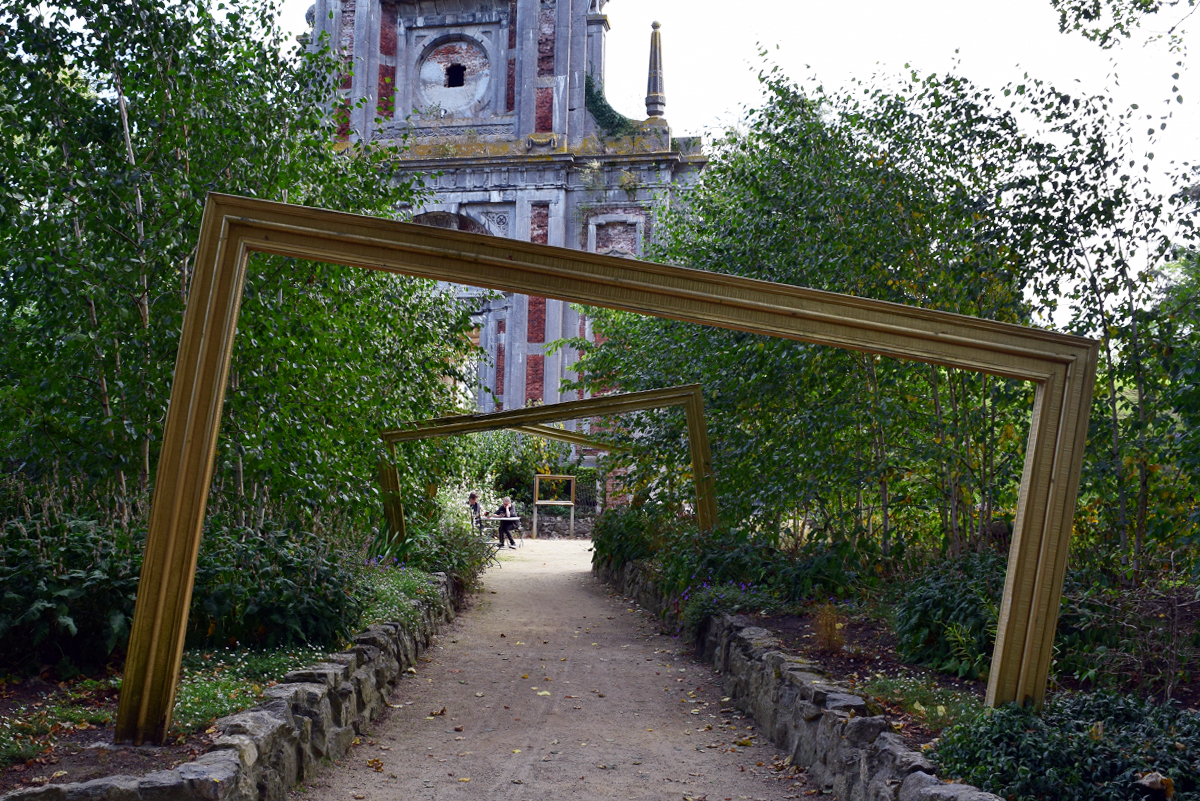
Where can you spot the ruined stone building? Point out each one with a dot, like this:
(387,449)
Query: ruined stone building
(502,103)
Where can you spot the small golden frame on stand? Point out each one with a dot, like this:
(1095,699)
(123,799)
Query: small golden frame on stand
(1062,369)
(537,483)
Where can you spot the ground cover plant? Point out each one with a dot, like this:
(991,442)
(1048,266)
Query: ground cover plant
(1086,746)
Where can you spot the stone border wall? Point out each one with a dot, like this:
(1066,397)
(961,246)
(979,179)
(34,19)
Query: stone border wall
(818,721)
(313,715)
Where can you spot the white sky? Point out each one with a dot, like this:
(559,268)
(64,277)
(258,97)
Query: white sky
(711,62)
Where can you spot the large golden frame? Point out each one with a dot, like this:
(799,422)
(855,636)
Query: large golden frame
(1061,367)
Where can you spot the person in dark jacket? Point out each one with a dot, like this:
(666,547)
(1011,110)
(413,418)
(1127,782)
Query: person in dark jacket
(506,510)
(476,511)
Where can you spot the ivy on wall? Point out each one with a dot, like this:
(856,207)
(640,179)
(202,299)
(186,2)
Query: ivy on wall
(612,122)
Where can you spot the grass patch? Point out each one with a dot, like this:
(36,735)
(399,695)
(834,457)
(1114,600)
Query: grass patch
(923,698)
(396,592)
(218,682)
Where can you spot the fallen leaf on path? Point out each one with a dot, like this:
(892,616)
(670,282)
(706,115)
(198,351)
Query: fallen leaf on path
(359,795)
(458,728)
(517,781)
(516,750)
(412,670)
(438,714)
(544,692)
(464,779)
(745,743)
(502,634)
(478,695)
(376,764)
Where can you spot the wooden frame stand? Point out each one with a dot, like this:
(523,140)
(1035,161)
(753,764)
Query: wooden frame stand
(537,484)
(1061,367)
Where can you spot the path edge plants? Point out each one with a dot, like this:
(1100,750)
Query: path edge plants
(312,716)
(817,720)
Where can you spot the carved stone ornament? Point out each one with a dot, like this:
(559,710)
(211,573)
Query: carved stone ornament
(497,221)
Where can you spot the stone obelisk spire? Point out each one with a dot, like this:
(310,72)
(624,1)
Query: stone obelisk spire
(656,99)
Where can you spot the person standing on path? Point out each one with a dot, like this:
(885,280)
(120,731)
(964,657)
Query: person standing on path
(507,523)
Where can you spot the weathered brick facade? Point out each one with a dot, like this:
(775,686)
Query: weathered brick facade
(535,377)
(491,99)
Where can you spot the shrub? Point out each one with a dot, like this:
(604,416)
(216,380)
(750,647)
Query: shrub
(68,591)
(946,618)
(625,534)
(69,586)
(1145,636)
(442,541)
(1082,747)
(273,588)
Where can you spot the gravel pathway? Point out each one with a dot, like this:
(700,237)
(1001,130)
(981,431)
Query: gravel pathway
(552,688)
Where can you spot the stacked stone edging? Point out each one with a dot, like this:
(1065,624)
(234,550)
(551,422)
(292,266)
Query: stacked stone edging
(817,720)
(313,715)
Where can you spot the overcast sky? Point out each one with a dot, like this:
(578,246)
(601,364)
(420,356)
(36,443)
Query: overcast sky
(710,54)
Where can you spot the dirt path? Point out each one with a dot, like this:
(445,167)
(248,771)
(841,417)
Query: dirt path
(554,689)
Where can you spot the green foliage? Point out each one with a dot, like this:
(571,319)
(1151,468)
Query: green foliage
(613,123)
(1082,747)
(625,534)
(441,539)
(868,193)
(396,591)
(117,120)
(69,586)
(1107,22)
(218,682)
(728,571)
(1144,636)
(923,190)
(273,588)
(722,599)
(946,617)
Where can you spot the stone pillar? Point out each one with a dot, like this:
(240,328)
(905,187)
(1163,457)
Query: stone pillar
(656,98)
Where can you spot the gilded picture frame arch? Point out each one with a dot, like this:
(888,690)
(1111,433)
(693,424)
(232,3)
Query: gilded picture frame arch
(1061,367)
(533,421)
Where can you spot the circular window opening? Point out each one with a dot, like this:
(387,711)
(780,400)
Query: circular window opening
(454,78)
